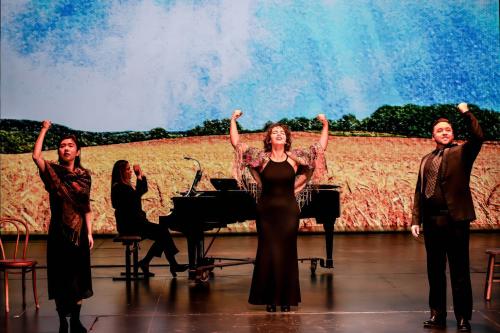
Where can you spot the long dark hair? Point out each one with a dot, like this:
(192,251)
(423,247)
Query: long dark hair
(269,130)
(78,163)
(118,173)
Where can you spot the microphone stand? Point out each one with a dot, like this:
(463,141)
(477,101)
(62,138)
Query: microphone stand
(197,177)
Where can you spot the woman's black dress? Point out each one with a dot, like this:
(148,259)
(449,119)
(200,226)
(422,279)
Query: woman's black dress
(276,274)
(68,264)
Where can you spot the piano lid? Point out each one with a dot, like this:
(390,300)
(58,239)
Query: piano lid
(224,184)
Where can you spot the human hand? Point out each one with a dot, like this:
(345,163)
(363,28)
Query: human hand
(236,114)
(137,170)
(463,107)
(322,118)
(91,240)
(415,230)
(46,124)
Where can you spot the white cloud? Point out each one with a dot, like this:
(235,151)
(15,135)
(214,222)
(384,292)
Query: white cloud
(143,70)
(354,93)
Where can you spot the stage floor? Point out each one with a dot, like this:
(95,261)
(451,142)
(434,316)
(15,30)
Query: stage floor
(378,284)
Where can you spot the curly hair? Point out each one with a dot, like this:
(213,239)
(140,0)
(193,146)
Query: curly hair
(267,139)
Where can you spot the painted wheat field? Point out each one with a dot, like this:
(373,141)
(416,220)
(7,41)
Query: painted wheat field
(377,178)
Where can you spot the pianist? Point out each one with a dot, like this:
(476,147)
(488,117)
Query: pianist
(277,176)
(131,219)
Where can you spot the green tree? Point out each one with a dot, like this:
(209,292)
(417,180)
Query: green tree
(158,133)
(213,127)
(347,122)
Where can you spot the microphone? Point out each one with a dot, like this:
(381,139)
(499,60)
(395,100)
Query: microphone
(197,177)
(193,159)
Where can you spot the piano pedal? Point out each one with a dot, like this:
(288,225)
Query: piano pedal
(192,274)
(328,263)
(314,265)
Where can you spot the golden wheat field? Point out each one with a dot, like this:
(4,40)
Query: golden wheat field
(377,176)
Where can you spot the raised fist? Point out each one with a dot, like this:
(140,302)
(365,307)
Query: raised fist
(236,114)
(321,117)
(46,124)
(137,169)
(462,107)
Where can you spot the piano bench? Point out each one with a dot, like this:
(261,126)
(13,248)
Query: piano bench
(131,243)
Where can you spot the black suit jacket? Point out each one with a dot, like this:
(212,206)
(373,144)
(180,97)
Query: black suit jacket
(455,170)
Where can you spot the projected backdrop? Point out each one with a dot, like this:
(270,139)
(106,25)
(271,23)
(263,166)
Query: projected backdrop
(141,64)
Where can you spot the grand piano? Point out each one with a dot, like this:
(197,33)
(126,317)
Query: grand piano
(196,212)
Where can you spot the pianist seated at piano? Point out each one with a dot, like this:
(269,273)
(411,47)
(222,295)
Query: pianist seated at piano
(280,179)
(132,220)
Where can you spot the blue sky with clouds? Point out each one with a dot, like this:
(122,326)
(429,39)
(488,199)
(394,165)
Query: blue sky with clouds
(139,64)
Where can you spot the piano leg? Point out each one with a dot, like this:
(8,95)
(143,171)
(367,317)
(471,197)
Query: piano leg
(196,251)
(196,255)
(328,226)
(200,250)
(191,245)
(195,247)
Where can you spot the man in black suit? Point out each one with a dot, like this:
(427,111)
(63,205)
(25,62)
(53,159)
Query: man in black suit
(443,204)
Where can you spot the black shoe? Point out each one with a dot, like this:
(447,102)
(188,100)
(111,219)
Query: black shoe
(271,308)
(76,326)
(435,322)
(145,268)
(463,325)
(174,269)
(285,308)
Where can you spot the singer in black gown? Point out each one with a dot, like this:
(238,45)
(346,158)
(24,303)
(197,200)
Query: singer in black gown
(276,274)
(280,178)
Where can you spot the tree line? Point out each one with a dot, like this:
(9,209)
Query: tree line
(18,136)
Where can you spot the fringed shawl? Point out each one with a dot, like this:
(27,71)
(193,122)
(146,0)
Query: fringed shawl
(73,188)
(311,165)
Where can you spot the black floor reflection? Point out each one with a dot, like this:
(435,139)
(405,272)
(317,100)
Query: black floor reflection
(369,290)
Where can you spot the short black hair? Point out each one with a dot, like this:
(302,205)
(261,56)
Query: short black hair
(440,120)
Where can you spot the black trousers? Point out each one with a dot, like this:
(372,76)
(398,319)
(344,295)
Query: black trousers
(163,242)
(445,238)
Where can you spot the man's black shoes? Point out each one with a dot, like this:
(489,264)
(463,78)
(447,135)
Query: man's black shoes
(463,325)
(435,322)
